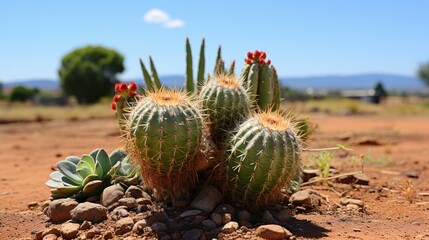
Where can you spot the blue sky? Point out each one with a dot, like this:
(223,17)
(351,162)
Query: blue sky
(302,38)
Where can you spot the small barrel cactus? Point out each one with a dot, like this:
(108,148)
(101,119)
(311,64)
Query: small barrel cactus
(262,158)
(124,97)
(163,133)
(224,101)
(86,176)
(262,83)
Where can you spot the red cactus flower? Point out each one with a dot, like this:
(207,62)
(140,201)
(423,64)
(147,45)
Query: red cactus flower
(113,106)
(263,55)
(257,54)
(261,61)
(117,98)
(132,87)
(269,62)
(250,55)
(118,87)
(248,61)
(123,87)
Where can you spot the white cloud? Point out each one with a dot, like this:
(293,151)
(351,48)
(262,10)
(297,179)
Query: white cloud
(176,23)
(158,16)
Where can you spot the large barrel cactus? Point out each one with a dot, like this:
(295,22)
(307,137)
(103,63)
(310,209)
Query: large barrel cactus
(163,134)
(225,101)
(262,158)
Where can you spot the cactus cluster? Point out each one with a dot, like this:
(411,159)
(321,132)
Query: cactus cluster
(230,123)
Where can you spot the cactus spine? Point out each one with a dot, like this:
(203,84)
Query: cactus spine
(263,156)
(164,131)
(259,78)
(225,101)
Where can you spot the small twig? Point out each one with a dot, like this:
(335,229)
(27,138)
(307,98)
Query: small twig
(338,147)
(422,203)
(330,178)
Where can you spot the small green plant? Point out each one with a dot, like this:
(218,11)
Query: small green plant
(322,162)
(370,159)
(85,176)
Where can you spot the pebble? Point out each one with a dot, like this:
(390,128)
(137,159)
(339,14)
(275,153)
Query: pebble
(136,192)
(108,235)
(93,232)
(230,227)
(32,205)
(345,201)
(272,231)
(356,230)
(59,210)
(226,218)
(111,195)
(124,225)
(225,208)
(415,223)
(50,237)
(158,217)
(90,212)
(301,198)
(207,199)
(193,234)
(139,225)
(216,218)
(208,224)
(52,230)
(85,225)
(69,230)
(159,227)
(411,174)
(352,206)
(345,179)
(284,215)
(129,202)
(190,213)
(361,179)
(268,218)
(143,201)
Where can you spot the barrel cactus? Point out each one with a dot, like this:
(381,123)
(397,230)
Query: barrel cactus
(85,176)
(261,80)
(225,102)
(163,134)
(263,156)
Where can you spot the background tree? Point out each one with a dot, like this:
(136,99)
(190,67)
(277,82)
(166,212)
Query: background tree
(380,91)
(423,73)
(22,94)
(89,73)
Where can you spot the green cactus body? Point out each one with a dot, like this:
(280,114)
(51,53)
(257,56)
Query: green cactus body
(263,156)
(164,131)
(258,78)
(225,101)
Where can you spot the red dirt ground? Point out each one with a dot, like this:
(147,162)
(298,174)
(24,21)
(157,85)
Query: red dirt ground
(28,151)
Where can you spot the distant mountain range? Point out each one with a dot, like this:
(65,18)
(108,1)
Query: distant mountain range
(330,82)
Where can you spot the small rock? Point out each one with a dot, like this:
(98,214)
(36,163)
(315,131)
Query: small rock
(225,208)
(52,230)
(300,198)
(142,208)
(190,213)
(69,230)
(347,179)
(226,218)
(50,237)
(208,225)
(32,205)
(124,225)
(158,217)
(268,218)
(272,231)
(143,201)
(230,227)
(352,206)
(207,199)
(93,232)
(194,234)
(216,218)
(361,179)
(356,230)
(111,195)
(415,223)
(93,199)
(89,211)
(37,234)
(139,225)
(108,235)
(345,201)
(59,210)
(45,204)
(244,215)
(308,174)
(129,202)
(411,174)
(136,192)
(159,227)
(85,225)
(284,215)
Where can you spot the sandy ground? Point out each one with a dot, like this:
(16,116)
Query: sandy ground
(28,151)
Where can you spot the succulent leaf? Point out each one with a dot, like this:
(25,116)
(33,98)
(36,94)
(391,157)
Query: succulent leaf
(89,178)
(54,184)
(104,161)
(87,161)
(117,156)
(56,176)
(93,186)
(73,159)
(94,153)
(68,169)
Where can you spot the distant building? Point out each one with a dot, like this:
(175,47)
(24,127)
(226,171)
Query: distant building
(366,95)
